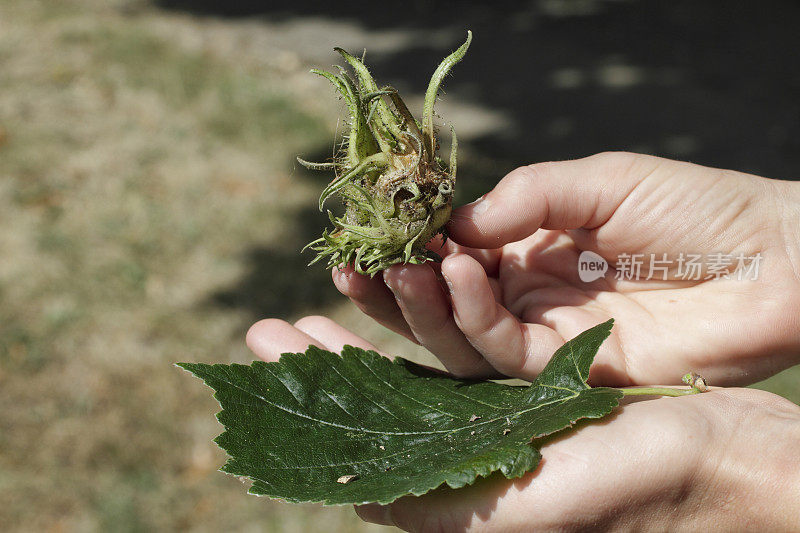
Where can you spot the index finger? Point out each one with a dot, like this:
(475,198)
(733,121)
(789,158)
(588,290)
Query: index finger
(563,195)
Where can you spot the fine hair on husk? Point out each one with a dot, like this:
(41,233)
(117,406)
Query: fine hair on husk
(396,191)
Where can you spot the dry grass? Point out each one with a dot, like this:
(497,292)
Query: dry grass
(136,170)
(143,158)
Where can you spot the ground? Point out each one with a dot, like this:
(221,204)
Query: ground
(150,210)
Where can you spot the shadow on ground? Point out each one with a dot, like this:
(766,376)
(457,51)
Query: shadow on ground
(715,84)
(278,281)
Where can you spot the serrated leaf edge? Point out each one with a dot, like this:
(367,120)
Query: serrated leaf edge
(511,465)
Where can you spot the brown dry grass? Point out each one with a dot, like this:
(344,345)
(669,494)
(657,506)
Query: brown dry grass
(138,164)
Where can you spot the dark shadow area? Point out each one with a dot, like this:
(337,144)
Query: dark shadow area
(279,283)
(715,83)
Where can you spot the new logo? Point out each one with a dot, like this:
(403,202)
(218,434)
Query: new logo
(591,266)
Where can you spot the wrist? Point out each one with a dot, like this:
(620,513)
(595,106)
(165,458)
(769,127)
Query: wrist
(752,480)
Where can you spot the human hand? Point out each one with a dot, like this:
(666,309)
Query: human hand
(727,458)
(515,293)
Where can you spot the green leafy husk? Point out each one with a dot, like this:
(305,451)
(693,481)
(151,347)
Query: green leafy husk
(397,192)
(359,428)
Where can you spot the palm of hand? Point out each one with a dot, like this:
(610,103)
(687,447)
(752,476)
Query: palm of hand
(630,467)
(538,283)
(720,320)
(510,308)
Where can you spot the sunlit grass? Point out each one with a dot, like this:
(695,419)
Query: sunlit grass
(135,173)
(787,384)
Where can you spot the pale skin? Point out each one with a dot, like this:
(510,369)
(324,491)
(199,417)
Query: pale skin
(511,295)
(516,295)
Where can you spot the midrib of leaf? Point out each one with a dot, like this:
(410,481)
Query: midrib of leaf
(406,450)
(472,426)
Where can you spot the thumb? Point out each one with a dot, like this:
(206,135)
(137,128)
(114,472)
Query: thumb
(581,193)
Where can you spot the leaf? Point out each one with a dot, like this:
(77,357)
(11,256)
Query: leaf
(359,428)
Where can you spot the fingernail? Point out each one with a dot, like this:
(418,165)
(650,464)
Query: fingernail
(391,282)
(448,282)
(480,205)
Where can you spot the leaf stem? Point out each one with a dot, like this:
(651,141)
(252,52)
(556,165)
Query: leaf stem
(658,391)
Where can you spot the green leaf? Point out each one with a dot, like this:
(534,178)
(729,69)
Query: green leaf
(359,428)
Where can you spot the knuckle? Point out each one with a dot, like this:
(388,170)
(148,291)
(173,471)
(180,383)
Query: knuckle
(532,173)
(431,324)
(521,178)
(479,326)
(613,158)
(623,164)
